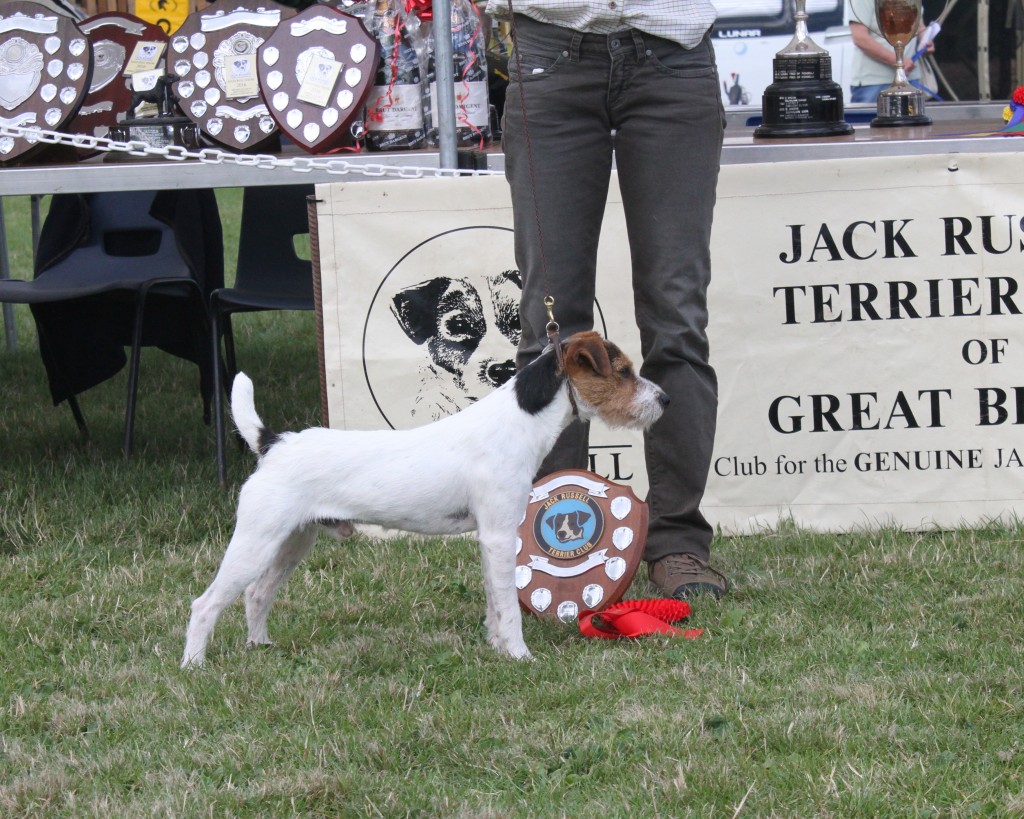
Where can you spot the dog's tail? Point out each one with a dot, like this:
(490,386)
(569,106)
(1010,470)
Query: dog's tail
(250,426)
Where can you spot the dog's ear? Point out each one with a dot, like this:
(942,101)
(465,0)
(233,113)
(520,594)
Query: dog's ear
(589,349)
(416,308)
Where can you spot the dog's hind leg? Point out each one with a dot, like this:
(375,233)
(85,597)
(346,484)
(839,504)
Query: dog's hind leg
(504,620)
(250,554)
(259,596)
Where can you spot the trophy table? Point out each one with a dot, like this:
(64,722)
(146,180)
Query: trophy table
(803,100)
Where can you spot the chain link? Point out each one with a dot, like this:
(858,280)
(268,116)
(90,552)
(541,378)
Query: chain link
(215,156)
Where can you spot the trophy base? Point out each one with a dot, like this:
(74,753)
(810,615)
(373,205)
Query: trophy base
(156,132)
(803,130)
(795,110)
(903,108)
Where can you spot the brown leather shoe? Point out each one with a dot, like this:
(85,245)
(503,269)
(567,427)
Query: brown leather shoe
(683,576)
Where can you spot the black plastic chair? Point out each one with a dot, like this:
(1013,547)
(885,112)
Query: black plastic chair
(110,274)
(270,276)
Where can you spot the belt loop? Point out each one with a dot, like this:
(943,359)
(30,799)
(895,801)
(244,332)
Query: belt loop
(574,46)
(638,43)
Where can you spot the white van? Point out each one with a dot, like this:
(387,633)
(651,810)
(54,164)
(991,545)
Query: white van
(749,33)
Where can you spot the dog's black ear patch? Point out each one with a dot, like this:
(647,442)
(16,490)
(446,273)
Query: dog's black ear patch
(416,308)
(267,439)
(538,383)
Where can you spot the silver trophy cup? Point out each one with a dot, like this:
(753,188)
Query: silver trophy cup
(803,100)
(901,104)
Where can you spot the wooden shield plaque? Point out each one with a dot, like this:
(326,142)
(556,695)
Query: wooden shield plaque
(45,67)
(579,545)
(214,55)
(116,39)
(315,72)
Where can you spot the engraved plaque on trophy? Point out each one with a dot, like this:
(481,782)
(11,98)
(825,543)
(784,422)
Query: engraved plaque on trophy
(121,45)
(45,67)
(803,100)
(214,55)
(315,72)
(901,104)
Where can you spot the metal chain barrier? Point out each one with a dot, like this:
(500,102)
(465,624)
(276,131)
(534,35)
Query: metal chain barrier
(215,156)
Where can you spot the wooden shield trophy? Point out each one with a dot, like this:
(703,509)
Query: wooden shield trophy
(579,545)
(121,45)
(315,72)
(214,56)
(45,68)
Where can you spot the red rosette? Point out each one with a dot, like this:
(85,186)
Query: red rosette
(637,618)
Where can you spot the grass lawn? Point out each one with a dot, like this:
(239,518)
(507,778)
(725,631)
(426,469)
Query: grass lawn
(863,674)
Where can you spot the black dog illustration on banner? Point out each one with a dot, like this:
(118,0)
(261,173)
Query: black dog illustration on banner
(470,335)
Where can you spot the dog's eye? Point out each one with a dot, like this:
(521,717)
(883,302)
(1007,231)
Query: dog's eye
(626,372)
(459,327)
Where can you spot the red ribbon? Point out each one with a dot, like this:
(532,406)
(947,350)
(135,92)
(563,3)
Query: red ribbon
(636,618)
(461,115)
(421,8)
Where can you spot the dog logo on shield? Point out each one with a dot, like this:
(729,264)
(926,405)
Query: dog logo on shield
(569,525)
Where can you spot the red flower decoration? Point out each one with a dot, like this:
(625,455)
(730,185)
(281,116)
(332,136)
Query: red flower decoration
(1018,95)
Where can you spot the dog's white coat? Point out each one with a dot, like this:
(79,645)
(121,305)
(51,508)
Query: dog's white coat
(471,470)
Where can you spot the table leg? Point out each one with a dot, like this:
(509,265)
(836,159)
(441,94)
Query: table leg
(10,331)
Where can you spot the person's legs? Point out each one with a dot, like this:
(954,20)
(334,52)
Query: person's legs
(563,148)
(663,102)
(669,126)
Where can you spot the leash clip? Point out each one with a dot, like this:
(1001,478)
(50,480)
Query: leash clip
(549,305)
(552,332)
(556,342)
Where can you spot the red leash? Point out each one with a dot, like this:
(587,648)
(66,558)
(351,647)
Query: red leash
(636,618)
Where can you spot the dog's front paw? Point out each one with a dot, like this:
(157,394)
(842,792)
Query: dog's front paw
(523,655)
(516,649)
(191,661)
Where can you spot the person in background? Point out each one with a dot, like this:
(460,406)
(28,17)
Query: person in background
(874,60)
(633,82)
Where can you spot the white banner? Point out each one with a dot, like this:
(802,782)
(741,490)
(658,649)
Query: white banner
(865,327)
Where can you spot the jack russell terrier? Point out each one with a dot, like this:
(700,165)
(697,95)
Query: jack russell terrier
(471,470)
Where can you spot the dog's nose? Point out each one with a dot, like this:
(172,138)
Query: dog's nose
(500,371)
(663,399)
